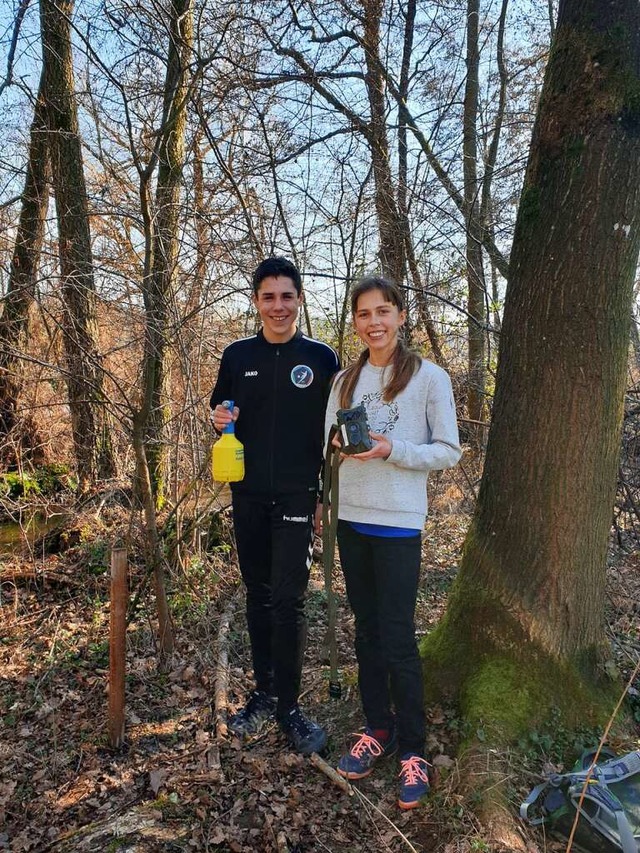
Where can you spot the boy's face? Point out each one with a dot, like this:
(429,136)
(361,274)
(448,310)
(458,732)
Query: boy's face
(278,304)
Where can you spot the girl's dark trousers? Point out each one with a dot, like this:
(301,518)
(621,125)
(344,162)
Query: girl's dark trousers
(381,576)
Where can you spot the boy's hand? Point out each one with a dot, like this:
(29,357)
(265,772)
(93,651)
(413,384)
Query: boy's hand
(221,416)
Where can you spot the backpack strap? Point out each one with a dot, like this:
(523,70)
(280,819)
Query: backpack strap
(531,801)
(627,838)
(619,768)
(588,756)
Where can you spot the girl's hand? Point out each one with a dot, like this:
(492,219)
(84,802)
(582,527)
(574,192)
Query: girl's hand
(381,449)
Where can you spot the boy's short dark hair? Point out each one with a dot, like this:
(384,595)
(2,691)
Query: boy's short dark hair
(275,267)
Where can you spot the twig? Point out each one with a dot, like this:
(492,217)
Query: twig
(22,8)
(390,822)
(330,773)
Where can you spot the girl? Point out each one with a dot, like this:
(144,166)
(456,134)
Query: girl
(382,509)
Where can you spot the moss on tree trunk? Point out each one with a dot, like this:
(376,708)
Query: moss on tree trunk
(507,683)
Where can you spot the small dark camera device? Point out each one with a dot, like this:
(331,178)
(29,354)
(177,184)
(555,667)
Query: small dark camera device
(354,429)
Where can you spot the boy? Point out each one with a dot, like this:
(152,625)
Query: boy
(279,380)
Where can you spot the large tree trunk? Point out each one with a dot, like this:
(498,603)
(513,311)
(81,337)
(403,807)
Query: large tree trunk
(158,285)
(526,612)
(91,435)
(18,433)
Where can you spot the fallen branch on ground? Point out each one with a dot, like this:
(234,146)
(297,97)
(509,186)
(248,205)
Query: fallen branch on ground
(330,773)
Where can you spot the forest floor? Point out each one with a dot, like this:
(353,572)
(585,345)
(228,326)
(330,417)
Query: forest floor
(175,786)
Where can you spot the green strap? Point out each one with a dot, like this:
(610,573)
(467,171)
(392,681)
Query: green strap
(330,497)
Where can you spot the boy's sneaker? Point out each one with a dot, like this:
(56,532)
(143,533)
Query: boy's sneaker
(359,761)
(303,734)
(414,780)
(259,709)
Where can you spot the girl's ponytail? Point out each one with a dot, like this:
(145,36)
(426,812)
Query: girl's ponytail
(349,379)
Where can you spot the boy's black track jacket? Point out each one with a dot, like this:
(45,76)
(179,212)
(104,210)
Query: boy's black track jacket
(281,391)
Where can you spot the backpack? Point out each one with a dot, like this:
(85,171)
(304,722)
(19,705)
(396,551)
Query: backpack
(609,819)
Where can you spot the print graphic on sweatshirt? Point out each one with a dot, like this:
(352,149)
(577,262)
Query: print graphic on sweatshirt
(382,416)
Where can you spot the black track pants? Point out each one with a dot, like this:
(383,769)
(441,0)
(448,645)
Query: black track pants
(274,540)
(381,576)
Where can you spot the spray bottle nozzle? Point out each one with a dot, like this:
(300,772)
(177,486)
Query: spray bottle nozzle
(230,427)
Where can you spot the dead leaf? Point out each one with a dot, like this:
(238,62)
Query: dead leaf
(202,737)
(436,716)
(218,836)
(156,780)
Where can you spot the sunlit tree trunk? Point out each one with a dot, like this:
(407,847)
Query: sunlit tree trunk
(18,434)
(153,545)
(490,159)
(91,435)
(423,315)
(476,300)
(203,238)
(392,254)
(158,284)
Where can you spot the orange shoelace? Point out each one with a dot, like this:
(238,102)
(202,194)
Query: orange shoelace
(414,770)
(365,743)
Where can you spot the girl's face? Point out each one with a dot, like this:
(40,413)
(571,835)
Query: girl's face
(377,324)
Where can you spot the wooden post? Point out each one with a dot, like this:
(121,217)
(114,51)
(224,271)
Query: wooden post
(117,644)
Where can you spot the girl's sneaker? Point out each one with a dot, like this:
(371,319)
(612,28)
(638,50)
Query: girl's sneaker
(414,780)
(359,761)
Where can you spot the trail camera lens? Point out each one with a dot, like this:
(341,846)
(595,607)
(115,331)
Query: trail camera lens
(354,429)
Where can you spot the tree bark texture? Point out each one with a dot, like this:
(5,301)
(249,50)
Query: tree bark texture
(423,313)
(392,254)
(476,300)
(153,546)
(635,341)
(91,436)
(158,286)
(531,583)
(18,433)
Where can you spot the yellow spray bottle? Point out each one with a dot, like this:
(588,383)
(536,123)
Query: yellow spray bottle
(228,454)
